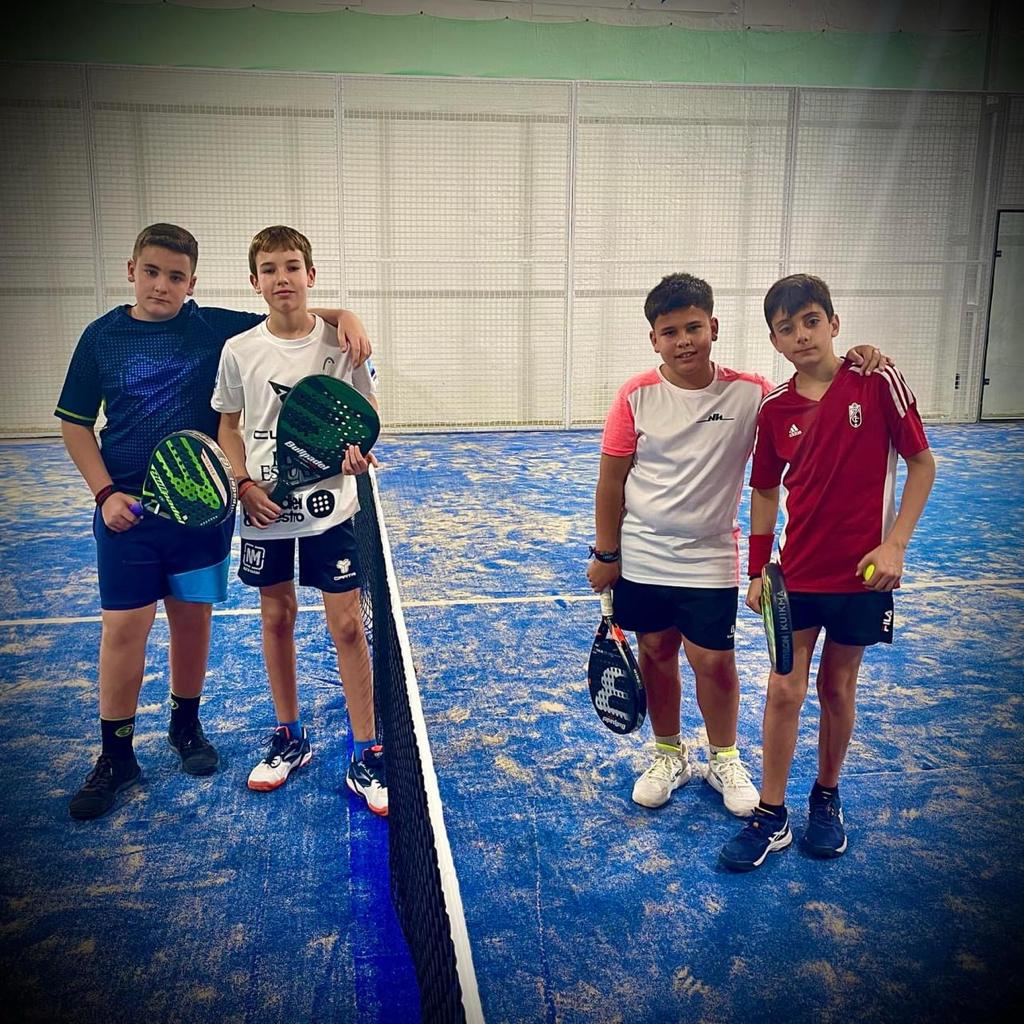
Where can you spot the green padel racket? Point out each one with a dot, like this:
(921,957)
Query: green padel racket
(778,619)
(188,481)
(320,417)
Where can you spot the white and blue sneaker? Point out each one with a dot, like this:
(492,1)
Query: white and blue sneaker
(366,778)
(284,755)
(765,833)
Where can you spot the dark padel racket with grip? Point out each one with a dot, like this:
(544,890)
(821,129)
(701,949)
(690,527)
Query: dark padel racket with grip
(320,417)
(616,689)
(778,619)
(189,481)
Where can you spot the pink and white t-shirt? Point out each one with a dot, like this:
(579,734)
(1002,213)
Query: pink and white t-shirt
(689,448)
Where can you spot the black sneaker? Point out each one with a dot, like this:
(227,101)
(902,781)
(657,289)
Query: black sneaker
(826,832)
(198,754)
(102,784)
(764,833)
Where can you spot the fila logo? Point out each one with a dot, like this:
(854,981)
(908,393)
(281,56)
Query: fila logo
(715,417)
(794,430)
(856,417)
(732,632)
(887,622)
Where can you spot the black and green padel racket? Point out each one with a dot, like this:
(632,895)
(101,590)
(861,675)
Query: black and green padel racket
(778,619)
(320,417)
(188,481)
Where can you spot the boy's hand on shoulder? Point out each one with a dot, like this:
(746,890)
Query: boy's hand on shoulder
(602,575)
(352,337)
(355,462)
(887,559)
(258,507)
(117,512)
(866,359)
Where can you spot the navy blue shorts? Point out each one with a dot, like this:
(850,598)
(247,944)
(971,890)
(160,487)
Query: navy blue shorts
(328,561)
(705,616)
(858,620)
(157,558)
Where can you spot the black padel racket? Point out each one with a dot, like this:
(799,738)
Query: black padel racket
(778,620)
(616,689)
(189,481)
(320,417)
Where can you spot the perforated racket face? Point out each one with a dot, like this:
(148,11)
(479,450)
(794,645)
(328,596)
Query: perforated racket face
(320,417)
(616,689)
(189,481)
(778,621)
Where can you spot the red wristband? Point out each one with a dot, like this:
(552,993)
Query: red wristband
(759,552)
(244,485)
(103,493)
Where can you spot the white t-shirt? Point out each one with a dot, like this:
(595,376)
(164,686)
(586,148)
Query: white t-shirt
(689,448)
(257,369)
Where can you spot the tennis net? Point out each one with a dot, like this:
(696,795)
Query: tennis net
(424,887)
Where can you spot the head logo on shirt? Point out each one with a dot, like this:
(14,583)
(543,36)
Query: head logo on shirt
(856,419)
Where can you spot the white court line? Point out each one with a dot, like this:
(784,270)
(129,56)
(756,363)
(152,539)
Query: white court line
(995,582)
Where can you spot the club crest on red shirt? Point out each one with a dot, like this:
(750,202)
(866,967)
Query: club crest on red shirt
(855,414)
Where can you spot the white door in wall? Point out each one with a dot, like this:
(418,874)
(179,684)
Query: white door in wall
(1003,393)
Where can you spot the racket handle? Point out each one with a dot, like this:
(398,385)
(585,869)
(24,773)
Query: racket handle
(606,603)
(135,508)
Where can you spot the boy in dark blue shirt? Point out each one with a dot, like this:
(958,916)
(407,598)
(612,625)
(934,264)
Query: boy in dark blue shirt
(152,367)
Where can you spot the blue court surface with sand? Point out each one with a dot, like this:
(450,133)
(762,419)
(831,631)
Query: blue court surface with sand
(196,900)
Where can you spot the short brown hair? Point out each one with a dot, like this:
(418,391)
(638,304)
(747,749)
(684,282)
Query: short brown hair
(168,236)
(791,294)
(279,238)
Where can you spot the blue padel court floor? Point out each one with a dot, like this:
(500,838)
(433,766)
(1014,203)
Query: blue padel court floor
(199,901)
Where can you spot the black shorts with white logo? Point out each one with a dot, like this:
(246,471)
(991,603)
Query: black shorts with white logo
(706,616)
(858,620)
(328,561)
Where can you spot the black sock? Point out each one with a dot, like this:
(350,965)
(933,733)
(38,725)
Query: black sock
(184,711)
(779,810)
(822,791)
(117,737)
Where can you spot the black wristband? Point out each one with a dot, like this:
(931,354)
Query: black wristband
(103,493)
(605,556)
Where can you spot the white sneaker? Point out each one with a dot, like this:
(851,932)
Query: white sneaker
(284,755)
(728,774)
(670,770)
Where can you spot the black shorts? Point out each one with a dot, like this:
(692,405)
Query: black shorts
(328,561)
(705,616)
(858,620)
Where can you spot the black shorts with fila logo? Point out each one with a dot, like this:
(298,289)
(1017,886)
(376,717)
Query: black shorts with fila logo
(328,561)
(857,620)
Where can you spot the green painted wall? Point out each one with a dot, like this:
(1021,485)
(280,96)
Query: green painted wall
(345,41)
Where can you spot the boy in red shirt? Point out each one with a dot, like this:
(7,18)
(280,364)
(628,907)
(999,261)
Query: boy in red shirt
(830,437)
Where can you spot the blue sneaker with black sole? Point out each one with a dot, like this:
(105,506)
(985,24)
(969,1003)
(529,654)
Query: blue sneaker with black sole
(825,835)
(765,833)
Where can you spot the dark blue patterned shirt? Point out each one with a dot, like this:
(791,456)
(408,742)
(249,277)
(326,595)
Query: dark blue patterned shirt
(150,378)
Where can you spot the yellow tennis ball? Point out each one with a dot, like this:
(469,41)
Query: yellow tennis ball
(869,571)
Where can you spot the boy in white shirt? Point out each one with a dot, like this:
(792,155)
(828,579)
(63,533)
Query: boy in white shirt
(257,369)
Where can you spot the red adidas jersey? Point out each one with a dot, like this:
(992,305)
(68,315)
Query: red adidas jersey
(835,460)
